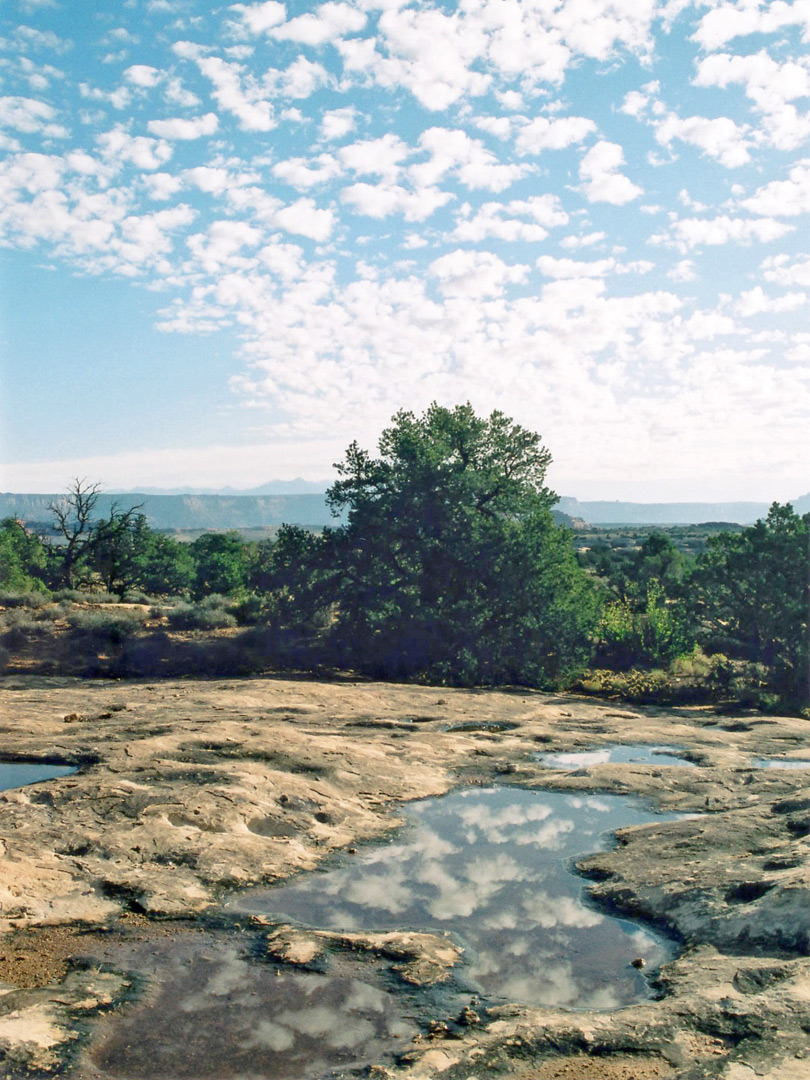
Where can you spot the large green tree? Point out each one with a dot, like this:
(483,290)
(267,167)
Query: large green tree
(222,564)
(450,565)
(22,558)
(751,593)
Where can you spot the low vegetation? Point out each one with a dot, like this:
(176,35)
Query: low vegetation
(449,568)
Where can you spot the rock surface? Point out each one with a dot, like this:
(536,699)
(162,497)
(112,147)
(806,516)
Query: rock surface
(188,789)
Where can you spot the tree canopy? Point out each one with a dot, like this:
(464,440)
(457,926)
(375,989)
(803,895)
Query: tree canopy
(751,592)
(450,564)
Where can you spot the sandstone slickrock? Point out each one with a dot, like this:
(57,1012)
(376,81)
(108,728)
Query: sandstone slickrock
(188,789)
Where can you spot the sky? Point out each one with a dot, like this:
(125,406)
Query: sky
(234,238)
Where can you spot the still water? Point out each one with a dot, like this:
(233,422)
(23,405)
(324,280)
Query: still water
(639,754)
(212,1012)
(14,774)
(780,763)
(493,867)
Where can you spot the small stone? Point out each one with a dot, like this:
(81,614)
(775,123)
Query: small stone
(468,1017)
(639,962)
(437,1028)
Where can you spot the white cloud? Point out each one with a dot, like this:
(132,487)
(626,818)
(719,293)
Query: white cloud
(555,134)
(145,153)
(177,94)
(180,128)
(305,173)
(599,169)
(588,240)
(303,77)
(684,270)
(475,273)
(259,18)
(338,122)
(781,271)
(783,198)
(327,24)
(700,232)
(574,268)
(452,150)
(28,37)
(381,200)
(770,85)
(221,245)
(30,115)
(756,302)
(428,53)
(304,218)
(503,220)
(728,21)
(244,98)
(162,185)
(143,75)
(377,157)
(719,138)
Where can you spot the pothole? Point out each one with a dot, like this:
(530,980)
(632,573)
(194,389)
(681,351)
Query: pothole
(494,868)
(629,754)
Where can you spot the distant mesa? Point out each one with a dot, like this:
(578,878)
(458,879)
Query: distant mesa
(302,502)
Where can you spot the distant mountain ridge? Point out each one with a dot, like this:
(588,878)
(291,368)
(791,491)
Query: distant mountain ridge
(298,486)
(189,510)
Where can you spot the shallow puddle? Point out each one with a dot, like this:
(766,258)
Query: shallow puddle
(14,774)
(639,754)
(780,763)
(212,1012)
(494,867)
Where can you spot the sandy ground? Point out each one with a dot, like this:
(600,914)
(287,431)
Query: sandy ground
(192,788)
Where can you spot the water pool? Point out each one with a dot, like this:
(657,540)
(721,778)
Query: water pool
(493,867)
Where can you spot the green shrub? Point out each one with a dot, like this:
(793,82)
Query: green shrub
(634,685)
(21,619)
(75,595)
(249,610)
(106,627)
(655,636)
(202,616)
(28,598)
(135,596)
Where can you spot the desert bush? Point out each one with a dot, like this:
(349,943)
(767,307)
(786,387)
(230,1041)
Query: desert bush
(156,654)
(13,598)
(74,595)
(628,637)
(249,609)
(635,685)
(102,597)
(106,627)
(209,614)
(693,665)
(135,596)
(20,628)
(20,618)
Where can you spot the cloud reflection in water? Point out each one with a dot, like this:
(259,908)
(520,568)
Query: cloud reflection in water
(493,866)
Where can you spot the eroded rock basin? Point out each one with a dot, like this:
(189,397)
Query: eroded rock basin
(16,774)
(188,790)
(493,867)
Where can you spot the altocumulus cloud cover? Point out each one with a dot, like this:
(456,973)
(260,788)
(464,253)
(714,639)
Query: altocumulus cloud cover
(237,236)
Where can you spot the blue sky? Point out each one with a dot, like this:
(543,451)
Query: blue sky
(234,238)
